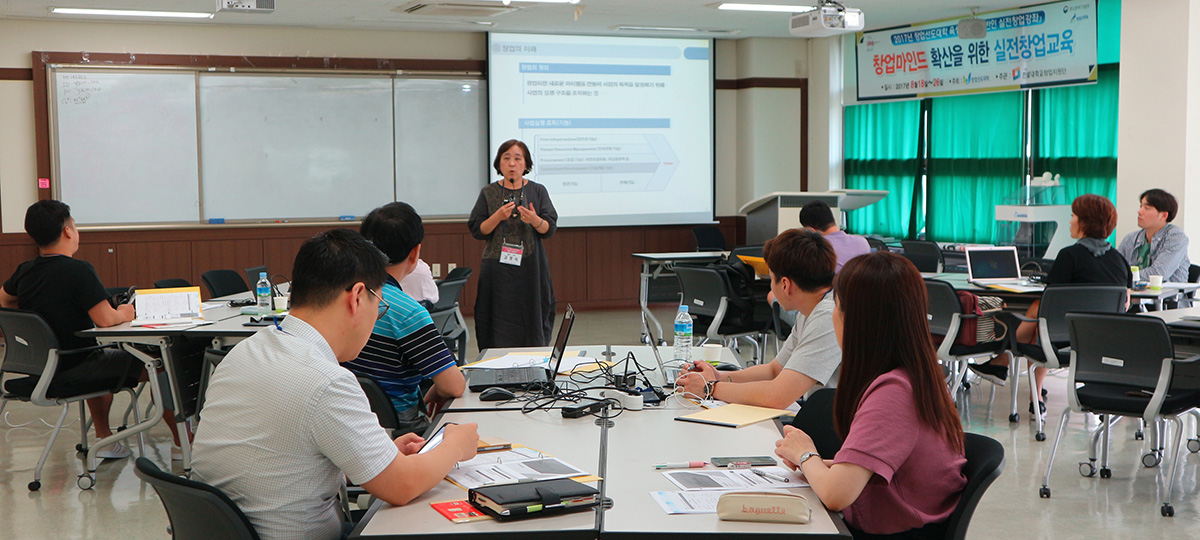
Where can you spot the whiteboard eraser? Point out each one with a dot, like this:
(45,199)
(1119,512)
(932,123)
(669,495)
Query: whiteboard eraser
(346,218)
(216,221)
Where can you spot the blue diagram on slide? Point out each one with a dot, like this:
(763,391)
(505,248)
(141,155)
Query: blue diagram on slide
(604,162)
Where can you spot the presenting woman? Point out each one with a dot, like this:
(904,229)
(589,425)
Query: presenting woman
(515,303)
(899,472)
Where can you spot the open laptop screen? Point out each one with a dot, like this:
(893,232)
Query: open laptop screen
(560,341)
(997,263)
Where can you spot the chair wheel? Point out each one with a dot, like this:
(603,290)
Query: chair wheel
(1014,417)
(1193,445)
(1139,435)
(35,485)
(1105,472)
(1168,510)
(1150,459)
(1039,436)
(1087,470)
(85,481)
(80,448)
(1044,492)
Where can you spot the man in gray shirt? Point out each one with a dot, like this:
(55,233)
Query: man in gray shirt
(801,264)
(1157,248)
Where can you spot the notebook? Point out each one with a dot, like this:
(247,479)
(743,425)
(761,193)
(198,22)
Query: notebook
(996,267)
(533,498)
(734,416)
(525,377)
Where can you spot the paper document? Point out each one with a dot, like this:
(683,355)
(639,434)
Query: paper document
(687,502)
(730,479)
(178,305)
(545,468)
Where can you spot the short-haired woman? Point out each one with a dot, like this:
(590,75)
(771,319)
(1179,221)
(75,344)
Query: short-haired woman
(1090,260)
(514,306)
(899,472)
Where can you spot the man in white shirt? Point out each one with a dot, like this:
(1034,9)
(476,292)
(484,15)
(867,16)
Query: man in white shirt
(801,263)
(284,423)
(419,283)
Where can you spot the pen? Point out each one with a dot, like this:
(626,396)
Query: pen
(680,465)
(770,476)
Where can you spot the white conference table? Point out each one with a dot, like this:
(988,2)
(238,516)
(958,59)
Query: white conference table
(623,455)
(656,265)
(1169,290)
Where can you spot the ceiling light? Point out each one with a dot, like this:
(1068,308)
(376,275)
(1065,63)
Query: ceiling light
(631,28)
(509,2)
(418,22)
(129,13)
(764,7)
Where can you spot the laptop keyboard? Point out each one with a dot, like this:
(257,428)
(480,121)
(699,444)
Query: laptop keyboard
(518,375)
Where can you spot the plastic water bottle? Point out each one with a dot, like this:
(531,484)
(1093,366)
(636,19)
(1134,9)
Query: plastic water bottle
(263,292)
(683,335)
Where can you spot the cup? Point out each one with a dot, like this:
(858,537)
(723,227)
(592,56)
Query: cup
(1156,282)
(712,352)
(281,304)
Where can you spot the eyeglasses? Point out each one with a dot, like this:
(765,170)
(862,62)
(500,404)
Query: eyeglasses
(383,305)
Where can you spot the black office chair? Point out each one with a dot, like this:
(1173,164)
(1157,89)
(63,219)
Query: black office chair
(1125,365)
(381,404)
(459,272)
(252,274)
(709,238)
(171,283)
(223,283)
(196,510)
(877,244)
(718,312)
(782,321)
(816,419)
(927,256)
(749,251)
(945,321)
(448,318)
(212,359)
(1053,350)
(31,349)
(985,462)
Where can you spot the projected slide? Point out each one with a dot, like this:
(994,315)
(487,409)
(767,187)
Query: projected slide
(620,128)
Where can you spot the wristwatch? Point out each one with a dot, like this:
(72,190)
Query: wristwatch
(804,457)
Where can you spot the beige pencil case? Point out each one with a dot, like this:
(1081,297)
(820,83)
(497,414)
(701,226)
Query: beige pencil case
(772,506)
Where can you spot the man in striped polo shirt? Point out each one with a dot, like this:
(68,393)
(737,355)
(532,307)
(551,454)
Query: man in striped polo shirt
(405,347)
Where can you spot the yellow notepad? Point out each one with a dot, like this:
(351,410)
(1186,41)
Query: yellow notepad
(733,415)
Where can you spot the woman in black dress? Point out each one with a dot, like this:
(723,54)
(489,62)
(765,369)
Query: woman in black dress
(515,303)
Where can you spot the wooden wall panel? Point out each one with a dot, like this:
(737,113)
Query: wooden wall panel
(442,249)
(104,258)
(668,239)
(569,259)
(280,253)
(140,264)
(236,255)
(613,275)
(473,259)
(12,256)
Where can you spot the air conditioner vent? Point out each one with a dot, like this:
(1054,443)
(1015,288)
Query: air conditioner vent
(454,9)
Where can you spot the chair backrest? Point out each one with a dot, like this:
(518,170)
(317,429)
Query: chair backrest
(459,272)
(212,358)
(709,238)
(985,462)
(27,341)
(252,275)
(749,251)
(196,510)
(877,244)
(448,291)
(782,320)
(171,283)
(927,256)
(702,289)
(943,304)
(1118,348)
(381,404)
(224,283)
(1194,274)
(816,419)
(1058,300)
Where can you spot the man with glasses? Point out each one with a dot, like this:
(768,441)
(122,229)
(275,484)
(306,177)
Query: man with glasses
(285,424)
(405,347)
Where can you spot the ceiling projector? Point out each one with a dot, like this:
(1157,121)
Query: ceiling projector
(828,19)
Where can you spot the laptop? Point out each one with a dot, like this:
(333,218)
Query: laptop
(988,266)
(669,374)
(526,377)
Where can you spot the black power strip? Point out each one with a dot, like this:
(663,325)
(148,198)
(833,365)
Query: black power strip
(583,409)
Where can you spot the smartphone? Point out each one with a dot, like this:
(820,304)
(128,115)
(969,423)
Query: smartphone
(754,461)
(435,440)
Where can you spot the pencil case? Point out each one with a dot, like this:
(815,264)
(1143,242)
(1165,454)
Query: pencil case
(769,506)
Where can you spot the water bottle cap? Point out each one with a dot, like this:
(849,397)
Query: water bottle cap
(262,275)
(683,308)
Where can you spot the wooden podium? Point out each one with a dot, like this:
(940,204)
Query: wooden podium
(771,214)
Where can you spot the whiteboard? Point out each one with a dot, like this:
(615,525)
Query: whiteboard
(295,147)
(442,158)
(126,145)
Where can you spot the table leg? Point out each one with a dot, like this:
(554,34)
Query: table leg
(644,302)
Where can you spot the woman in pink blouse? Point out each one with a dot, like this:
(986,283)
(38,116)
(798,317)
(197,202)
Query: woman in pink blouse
(899,471)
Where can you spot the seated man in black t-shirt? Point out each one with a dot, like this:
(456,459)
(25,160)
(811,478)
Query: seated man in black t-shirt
(68,294)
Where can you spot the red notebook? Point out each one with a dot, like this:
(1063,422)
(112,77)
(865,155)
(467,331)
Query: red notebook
(459,511)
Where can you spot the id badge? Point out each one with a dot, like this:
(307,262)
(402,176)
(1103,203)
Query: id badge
(511,254)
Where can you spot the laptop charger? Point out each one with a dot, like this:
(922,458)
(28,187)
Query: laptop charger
(582,409)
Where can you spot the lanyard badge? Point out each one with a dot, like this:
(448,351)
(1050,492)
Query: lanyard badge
(511,253)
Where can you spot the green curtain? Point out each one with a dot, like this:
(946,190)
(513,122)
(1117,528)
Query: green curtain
(881,153)
(975,163)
